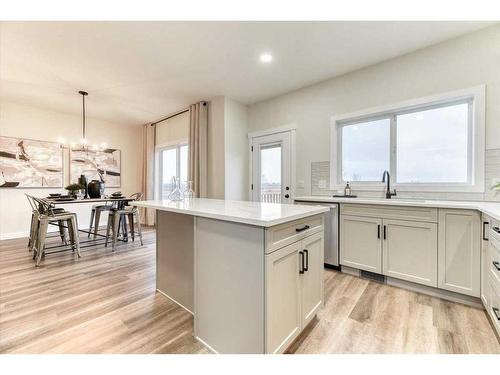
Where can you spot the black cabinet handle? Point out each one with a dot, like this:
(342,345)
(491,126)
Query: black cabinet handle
(301,262)
(495,311)
(385,232)
(496,229)
(484,230)
(306,264)
(497,265)
(305,227)
(378,231)
(287,195)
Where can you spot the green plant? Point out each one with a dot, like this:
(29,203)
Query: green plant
(74,187)
(496,186)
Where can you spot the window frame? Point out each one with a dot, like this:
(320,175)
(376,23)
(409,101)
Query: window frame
(476,141)
(159,151)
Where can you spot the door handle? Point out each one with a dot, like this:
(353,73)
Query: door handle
(497,265)
(305,227)
(378,231)
(496,312)
(306,264)
(484,230)
(385,232)
(301,262)
(496,229)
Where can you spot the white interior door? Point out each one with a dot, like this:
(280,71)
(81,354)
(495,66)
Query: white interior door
(271,168)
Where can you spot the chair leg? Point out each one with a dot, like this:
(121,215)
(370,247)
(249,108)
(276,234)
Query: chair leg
(96,221)
(34,241)
(76,238)
(31,230)
(62,231)
(116,225)
(108,228)
(139,229)
(71,234)
(42,233)
(123,220)
(91,222)
(131,226)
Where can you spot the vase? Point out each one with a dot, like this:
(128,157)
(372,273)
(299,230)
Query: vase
(176,194)
(94,189)
(82,180)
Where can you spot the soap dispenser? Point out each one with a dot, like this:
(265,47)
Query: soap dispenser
(347,190)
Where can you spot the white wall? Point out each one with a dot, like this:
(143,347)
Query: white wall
(215,149)
(236,150)
(460,63)
(34,123)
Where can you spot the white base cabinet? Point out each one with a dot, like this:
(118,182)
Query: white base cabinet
(459,255)
(402,249)
(410,251)
(294,290)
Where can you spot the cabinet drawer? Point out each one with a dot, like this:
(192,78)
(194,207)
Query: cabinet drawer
(495,229)
(288,233)
(494,307)
(495,259)
(427,214)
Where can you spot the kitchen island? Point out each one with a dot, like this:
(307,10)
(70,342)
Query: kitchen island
(250,273)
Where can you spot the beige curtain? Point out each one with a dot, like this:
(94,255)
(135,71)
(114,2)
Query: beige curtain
(198,124)
(148,158)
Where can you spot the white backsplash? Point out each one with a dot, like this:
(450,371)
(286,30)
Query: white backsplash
(320,181)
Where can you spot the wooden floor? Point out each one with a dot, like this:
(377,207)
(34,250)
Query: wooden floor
(106,303)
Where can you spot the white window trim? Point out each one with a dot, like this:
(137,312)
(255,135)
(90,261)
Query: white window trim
(478,96)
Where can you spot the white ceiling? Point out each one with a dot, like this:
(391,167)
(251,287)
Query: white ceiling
(136,72)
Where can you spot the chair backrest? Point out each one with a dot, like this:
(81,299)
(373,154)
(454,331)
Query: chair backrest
(137,196)
(43,207)
(32,202)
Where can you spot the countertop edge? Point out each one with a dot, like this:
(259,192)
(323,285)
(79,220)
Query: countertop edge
(481,206)
(235,219)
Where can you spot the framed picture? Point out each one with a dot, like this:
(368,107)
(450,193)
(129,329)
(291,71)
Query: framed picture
(96,165)
(27,163)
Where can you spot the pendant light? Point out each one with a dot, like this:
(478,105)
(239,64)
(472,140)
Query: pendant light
(83,143)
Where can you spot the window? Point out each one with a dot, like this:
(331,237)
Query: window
(173,163)
(432,144)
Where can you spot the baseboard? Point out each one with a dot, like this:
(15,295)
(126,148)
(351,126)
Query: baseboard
(430,291)
(13,235)
(173,300)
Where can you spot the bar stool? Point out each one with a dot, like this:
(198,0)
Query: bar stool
(95,217)
(46,215)
(34,223)
(119,216)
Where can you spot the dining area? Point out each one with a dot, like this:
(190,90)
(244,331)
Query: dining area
(55,228)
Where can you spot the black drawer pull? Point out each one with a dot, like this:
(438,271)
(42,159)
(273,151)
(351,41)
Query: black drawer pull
(496,312)
(305,227)
(378,231)
(496,229)
(301,262)
(484,230)
(497,265)
(306,264)
(385,232)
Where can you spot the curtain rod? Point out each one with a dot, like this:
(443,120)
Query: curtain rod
(175,114)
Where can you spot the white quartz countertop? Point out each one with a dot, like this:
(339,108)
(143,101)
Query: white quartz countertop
(253,213)
(491,209)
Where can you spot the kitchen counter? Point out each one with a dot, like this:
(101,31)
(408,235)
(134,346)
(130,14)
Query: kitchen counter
(491,209)
(253,213)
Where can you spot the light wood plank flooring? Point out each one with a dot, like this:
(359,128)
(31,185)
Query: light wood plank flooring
(106,303)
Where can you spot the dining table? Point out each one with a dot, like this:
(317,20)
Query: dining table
(117,202)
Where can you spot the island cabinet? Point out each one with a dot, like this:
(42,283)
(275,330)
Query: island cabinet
(492,279)
(294,290)
(399,242)
(459,255)
(485,260)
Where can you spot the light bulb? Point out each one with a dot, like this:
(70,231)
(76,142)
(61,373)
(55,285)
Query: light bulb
(83,141)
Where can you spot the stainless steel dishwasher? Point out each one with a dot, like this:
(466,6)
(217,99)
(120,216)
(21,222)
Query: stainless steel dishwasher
(331,231)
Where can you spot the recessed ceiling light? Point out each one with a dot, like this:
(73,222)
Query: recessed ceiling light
(266,58)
